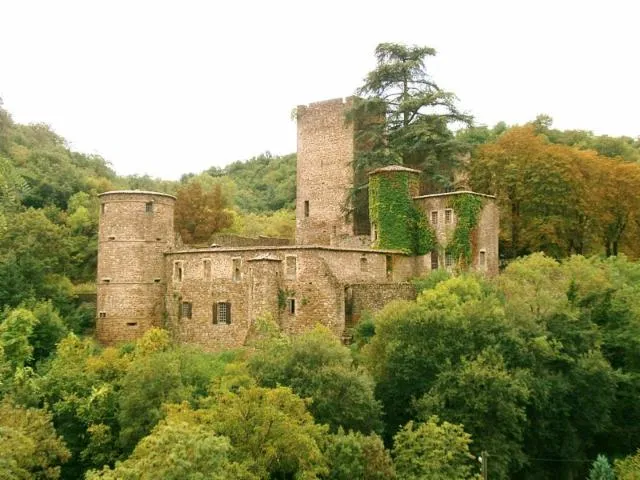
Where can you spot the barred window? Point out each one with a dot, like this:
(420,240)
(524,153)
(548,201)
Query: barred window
(221,313)
(448,216)
(186,309)
(434,217)
(363,264)
(148,207)
(448,260)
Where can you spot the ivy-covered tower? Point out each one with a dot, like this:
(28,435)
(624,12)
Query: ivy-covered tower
(396,223)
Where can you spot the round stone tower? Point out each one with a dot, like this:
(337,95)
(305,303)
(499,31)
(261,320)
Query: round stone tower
(135,230)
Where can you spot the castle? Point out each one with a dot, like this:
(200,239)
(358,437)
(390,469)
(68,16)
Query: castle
(213,296)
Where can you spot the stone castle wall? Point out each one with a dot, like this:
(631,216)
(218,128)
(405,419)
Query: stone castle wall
(324,173)
(367,297)
(135,229)
(485,237)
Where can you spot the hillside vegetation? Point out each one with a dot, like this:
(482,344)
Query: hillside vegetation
(537,370)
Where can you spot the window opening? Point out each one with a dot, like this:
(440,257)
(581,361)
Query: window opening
(389,265)
(363,264)
(178,271)
(291,306)
(306,208)
(482,259)
(132,324)
(236,275)
(221,313)
(448,260)
(448,216)
(434,217)
(206,266)
(434,260)
(102,208)
(186,309)
(148,207)
(103,315)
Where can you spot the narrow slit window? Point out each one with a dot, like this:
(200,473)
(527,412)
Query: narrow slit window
(102,209)
(236,274)
(434,217)
(291,303)
(178,271)
(306,208)
(206,266)
(389,265)
(363,264)
(482,258)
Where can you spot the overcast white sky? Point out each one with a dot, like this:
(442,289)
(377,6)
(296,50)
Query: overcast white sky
(166,88)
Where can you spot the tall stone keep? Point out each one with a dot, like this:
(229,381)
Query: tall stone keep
(135,230)
(324,172)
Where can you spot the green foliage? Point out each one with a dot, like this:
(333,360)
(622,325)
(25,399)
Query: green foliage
(354,455)
(399,224)
(432,451)
(177,450)
(29,445)
(315,365)
(601,469)
(270,429)
(432,279)
(467,208)
(628,468)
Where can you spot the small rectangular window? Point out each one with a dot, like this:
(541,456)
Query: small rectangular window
(186,309)
(148,207)
(482,258)
(448,216)
(291,306)
(291,267)
(106,280)
(102,209)
(448,260)
(206,267)
(434,217)
(112,237)
(363,264)
(306,208)
(221,313)
(103,315)
(132,324)
(434,260)
(156,280)
(236,274)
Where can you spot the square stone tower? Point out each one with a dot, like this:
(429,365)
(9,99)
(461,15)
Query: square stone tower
(324,173)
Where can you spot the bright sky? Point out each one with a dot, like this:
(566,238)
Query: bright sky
(166,88)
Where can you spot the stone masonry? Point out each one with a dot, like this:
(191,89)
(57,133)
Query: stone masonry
(213,296)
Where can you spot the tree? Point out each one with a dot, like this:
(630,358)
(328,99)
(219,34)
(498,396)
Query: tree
(200,213)
(601,469)
(29,445)
(177,450)
(628,468)
(432,451)
(356,456)
(316,365)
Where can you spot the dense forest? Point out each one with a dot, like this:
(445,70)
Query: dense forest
(537,370)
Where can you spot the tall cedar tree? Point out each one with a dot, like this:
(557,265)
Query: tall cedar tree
(403,117)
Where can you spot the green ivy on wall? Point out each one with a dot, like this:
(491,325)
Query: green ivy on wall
(399,224)
(467,209)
